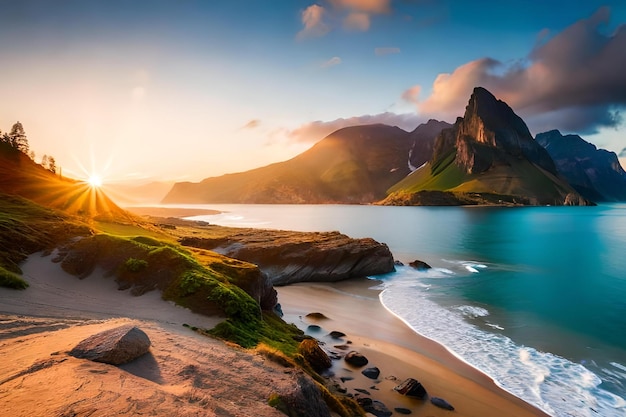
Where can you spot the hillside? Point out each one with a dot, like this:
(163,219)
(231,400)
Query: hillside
(19,175)
(352,165)
(594,173)
(487,157)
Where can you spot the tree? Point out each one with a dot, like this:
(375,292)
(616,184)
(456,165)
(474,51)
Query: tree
(52,165)
(44,161)
(17,138)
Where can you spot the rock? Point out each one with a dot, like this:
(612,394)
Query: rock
(362,391)
(291,257)
(313,328)
(336,335)
(316,316)
(420,265)
(374,407)
(371,373)
(356,359)
(411,388)
(314,355)
(401,410)
(115,346)
(305,400)
(398,263)
(441,403)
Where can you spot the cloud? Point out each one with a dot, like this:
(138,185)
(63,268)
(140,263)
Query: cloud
(252,124)
(315,131)
(354,15)
(368,6)
(357,21)
(386,51)
(331,62)
(313,21)
(573,81)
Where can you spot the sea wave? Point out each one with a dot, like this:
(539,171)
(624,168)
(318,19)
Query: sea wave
(555,384)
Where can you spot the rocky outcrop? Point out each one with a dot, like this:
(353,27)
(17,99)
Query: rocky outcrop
(491,133)
(595,173)
(420,265)
(115,346)
(305,400)
(290,257)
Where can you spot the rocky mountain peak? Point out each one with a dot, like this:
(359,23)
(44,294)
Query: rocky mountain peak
(490,133)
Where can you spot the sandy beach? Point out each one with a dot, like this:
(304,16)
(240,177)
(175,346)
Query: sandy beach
(188,374)
(352,307)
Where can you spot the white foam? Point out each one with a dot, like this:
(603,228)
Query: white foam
(556,385)
(473,311)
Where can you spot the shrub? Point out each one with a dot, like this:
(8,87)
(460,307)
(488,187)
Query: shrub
(135,265)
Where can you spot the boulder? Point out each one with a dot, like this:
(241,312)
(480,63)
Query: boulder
(374,407)
(314,355)
(402,410)
(115,346)
(420,265)
(336,334)
(371,373)
(305,400)
(355,358)
(411,387)
(441,403)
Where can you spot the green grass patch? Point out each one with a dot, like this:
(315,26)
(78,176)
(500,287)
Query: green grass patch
(10,279)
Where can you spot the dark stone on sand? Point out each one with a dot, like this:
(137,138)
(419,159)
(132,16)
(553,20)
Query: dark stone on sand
(398,263)
(314,355)
(362,391)
(441,403)
(336,335)
(374,407)
(305,400)
(355,358)
(115,346)
(420,265)
(401,410)
(313,328)
(316,316)
(346,378)
(411,387)
(342,347)
(371,373)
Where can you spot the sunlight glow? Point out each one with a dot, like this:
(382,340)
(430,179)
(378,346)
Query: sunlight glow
(94,181)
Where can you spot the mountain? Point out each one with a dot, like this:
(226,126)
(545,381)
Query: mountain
(595,173)
(423,138)
(133,193)
(487,157)
(19,175)
(352,165)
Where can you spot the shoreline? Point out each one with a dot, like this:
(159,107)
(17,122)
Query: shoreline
(353,307)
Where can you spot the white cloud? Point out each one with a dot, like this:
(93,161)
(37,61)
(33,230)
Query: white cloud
(331,62)
(357,21)
(313,21)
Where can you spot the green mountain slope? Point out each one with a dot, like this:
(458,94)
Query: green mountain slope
(487,157)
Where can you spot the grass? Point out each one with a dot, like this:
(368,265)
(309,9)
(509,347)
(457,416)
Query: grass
(25,228)
(10,279)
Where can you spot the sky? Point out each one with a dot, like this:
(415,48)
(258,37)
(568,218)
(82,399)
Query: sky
(138,90)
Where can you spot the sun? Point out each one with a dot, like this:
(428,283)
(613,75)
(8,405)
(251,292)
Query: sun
(94,181)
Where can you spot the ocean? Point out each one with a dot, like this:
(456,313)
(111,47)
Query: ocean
(535,297)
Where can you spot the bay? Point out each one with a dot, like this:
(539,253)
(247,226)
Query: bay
(533,296)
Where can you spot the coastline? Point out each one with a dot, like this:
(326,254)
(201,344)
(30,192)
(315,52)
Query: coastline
(353,307)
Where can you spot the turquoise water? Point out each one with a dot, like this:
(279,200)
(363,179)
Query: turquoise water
(535,296)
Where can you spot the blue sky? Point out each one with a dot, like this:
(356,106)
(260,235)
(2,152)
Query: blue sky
(189,89)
